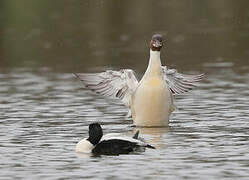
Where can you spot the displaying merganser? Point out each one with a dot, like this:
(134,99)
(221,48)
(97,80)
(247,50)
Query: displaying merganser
(151,99)
(110,144)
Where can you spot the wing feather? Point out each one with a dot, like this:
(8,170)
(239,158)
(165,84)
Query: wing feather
(116,84)
(180,83)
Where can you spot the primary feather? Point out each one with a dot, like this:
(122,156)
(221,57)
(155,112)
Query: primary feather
(116,84)
(180,83)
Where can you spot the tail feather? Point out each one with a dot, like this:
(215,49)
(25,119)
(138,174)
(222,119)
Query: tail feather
(136,135)
(149,146)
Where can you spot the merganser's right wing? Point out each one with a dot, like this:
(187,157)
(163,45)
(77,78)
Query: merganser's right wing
(116,84)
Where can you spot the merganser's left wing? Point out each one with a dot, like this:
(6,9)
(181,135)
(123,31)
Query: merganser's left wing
(180,83)
(116,84)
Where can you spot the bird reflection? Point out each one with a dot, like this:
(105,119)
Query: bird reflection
(84,155)
(153,135)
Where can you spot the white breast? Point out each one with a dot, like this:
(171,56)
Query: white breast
(84,146)
(152,102)
(151,105)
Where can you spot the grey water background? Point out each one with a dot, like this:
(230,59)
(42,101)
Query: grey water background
(44,111)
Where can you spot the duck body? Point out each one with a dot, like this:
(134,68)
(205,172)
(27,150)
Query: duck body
(110,144)
(152,101)
(116,146)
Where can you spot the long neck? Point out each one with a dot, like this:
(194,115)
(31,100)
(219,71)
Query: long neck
(154,67)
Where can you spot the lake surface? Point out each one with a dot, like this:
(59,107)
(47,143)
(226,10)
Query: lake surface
(44,111)
(44,115)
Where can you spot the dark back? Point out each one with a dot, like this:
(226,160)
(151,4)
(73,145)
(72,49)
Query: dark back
(115,147)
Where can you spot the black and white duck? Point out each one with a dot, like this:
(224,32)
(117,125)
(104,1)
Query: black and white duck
(110,144)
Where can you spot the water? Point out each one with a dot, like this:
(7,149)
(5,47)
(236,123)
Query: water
(44,111)
(44,115)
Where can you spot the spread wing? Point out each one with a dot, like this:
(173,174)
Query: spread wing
(116,84)
(180,83)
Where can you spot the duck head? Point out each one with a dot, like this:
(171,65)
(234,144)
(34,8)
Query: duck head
(95,133)
(156,42)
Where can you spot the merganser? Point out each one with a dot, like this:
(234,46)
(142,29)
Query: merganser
(150,100)
(110,144)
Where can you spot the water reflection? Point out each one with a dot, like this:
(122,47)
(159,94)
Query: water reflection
(84,155)
(154,136)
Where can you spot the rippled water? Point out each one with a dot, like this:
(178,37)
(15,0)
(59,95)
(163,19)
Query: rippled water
(44,111)
(44,114)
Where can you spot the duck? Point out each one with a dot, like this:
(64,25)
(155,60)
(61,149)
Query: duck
(110,144)
(151,100)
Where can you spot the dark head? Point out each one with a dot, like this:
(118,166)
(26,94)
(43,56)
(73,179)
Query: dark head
(95,133)
(156,42)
